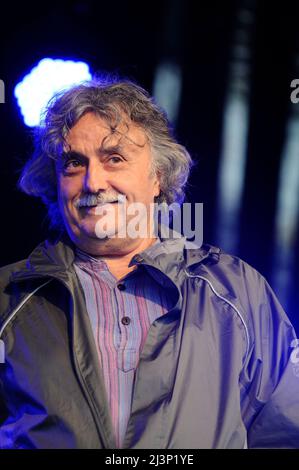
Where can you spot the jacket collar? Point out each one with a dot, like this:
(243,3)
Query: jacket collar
(48,259)
(55,259)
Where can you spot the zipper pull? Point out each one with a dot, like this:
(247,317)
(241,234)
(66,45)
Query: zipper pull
(2,352)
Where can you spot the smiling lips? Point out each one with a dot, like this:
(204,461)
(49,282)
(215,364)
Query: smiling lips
(92,209)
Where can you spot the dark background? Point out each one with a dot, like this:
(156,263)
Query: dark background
(202,38)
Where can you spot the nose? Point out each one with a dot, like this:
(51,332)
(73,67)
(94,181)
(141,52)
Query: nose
(95,178)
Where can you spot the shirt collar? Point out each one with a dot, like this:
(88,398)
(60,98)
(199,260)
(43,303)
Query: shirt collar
(166,246)
(82,258)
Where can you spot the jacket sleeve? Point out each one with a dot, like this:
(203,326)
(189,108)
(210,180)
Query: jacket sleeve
(270,379)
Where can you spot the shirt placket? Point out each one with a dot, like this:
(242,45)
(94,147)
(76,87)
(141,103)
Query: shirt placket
(127,351)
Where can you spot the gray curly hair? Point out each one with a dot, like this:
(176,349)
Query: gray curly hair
(111,99)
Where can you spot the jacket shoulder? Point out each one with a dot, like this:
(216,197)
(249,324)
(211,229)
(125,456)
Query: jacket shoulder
(245,287)
(237,266)
(233,278)
(8,270)
(220,263)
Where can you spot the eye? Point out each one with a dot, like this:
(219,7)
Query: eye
(71,164)
(115,159)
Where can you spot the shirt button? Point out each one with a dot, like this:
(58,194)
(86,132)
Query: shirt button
(121,286)
(126,320)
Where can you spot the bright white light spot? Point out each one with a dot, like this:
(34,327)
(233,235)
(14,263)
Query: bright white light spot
(47,78)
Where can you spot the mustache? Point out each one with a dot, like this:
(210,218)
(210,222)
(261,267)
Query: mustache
(91,200)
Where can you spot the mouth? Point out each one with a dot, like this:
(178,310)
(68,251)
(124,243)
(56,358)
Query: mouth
(93,210)
(92,202)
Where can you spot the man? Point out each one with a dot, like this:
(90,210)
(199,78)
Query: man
(111,340)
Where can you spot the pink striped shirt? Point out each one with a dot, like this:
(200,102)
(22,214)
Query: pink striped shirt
(121,313)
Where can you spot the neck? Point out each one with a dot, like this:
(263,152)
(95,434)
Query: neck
(118,264)
(118,261)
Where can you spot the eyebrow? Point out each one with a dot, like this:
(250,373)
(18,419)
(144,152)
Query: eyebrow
(102,151)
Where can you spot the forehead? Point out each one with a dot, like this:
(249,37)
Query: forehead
(94,130)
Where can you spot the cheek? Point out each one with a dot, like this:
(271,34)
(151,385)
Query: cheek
(62,195)
(67,190)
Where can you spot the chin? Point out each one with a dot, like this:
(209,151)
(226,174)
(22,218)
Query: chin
(89,231)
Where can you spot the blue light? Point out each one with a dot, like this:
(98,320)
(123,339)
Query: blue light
(167,88)
(47,78)
(287,214)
